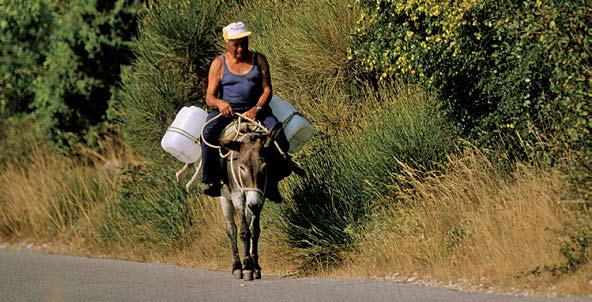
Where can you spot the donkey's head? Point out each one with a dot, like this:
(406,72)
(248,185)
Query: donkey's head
(247,167)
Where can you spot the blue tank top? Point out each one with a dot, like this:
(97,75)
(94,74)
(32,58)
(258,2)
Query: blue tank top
(241,91)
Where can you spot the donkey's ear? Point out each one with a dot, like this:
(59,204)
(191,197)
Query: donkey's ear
(230,144)
(272,136)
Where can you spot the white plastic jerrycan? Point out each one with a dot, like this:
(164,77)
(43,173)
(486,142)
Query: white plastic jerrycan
(182,138)
(297,128)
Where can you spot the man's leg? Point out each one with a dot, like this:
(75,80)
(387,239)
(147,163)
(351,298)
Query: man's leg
(210,157)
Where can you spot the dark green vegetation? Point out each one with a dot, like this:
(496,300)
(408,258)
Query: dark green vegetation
(61,61)
(387,84)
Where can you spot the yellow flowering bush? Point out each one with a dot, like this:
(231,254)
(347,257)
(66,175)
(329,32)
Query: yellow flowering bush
(515,75)
(403,33)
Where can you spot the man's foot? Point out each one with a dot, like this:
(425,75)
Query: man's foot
(213,190)
(273,193)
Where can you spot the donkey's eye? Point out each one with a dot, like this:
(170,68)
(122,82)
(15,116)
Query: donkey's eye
(243,168)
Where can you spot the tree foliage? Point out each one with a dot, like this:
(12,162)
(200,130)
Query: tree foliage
(61,60)
(24,35)
(86,50)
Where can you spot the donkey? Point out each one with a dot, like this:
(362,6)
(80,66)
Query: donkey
(243,195)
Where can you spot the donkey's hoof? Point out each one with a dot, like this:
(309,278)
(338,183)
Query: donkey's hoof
(257,274)
(237,274)
(248,275)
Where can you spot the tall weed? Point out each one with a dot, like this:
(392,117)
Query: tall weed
(473,223)
(46,195)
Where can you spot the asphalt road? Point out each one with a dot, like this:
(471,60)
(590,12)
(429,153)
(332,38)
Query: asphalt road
(32,276)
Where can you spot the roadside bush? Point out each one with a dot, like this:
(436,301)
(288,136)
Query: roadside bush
(150,212)
(514,76)
(350,173)
(173,51)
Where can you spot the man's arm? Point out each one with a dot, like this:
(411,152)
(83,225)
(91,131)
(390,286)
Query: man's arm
(267,89)
(214,79)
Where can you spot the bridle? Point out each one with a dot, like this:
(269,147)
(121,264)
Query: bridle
(239,180)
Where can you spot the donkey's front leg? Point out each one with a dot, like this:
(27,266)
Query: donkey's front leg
(243,228)
(228,212)
(238,200)
(255,203)
(255,231)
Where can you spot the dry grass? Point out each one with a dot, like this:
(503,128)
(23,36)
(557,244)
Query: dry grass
(471,226)
(56,204)
(48,194)
(209,248)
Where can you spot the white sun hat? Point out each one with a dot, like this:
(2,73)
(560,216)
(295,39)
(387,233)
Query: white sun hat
(235,31)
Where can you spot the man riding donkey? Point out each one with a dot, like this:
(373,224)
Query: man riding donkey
(239,82)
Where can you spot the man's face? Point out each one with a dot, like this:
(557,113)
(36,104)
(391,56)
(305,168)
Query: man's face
(238,47)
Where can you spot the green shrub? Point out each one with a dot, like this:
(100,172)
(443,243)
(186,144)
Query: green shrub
(24,30)
(17,139)
(350,173)
(173,51)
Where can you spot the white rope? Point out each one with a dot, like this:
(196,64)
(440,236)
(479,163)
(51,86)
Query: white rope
(238,126)
(184,133)
(240,116)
